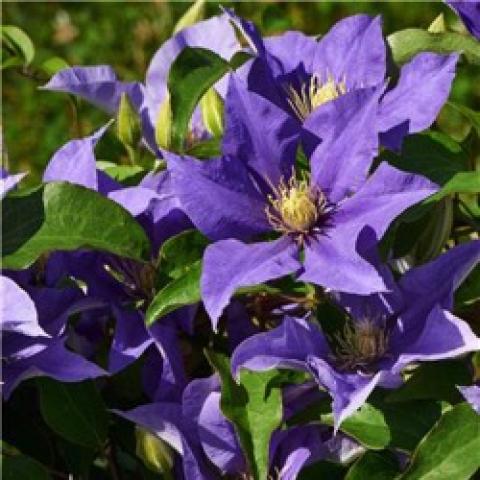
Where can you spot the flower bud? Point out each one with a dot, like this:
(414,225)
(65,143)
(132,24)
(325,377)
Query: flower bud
(154,452)
(212,112)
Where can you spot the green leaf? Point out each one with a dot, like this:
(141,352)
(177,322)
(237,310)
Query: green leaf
(469,291)
(407,43)
(21,467)
(75,411)
(127,175)
(322,471)
(19,45)
(255,408)
(439,158)
(378,424)
(433,381)
(471,115)
(450,450)
(62,216)
(192,73)
(194,14)
(212,112)
(180,251)
(182,291)
(374,466)
(208,149)
(53,65)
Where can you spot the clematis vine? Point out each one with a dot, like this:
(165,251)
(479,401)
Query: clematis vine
(383,334)
(335,213)
(301,75)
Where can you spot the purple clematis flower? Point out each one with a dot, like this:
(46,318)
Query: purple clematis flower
(122,282)
(469,12)
(197,430)
(336,214)
(472,396)
(301,75)
(34,336)
(100,85)
(384,333)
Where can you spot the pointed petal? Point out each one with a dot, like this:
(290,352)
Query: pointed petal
(293,48)
(421,91)
(472,396)
(130,340)
(437,280)
(443,336)
(134,199)
(349,144)
(297,447)
(286,346)
(335,262)
(218,437)
(231,264)
(258,133)
(348,391)
(55,361)
(17,310)
(353,49)
(8,182)
(97,84)
(172,381)
(219,196)
(75,162)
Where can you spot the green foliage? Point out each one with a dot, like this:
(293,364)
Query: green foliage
(22,467)
(375,466)
(62,216)
(433,381)
(179,262)
(17,48)
(450,450)
(192,74)
(255,408)
(74,411)
(181,291)
(407,43)
(179,252)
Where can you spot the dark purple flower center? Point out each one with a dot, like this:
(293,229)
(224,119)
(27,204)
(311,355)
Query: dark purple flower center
(138,279)
(360,344)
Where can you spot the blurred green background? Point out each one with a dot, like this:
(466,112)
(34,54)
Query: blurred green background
(126,34)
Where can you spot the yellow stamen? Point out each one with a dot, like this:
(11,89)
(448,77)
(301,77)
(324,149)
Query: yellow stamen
(296,207)
(306,100)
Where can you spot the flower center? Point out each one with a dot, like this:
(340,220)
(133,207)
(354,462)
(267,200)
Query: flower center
(312,95)
(295,207)
(360,344)
(138,279)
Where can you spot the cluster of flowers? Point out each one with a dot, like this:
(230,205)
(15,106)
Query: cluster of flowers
(267,216)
